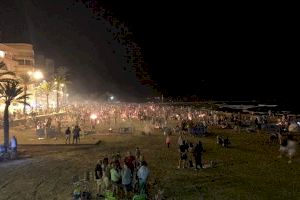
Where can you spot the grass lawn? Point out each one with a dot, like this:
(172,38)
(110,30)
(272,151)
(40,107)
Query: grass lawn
(249,169)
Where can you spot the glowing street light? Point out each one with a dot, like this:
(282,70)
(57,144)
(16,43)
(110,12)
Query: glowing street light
(38,75)
(112,98)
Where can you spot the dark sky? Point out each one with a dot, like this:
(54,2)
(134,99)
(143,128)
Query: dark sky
(214,51)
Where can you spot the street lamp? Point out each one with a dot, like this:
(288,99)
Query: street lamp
(38,75)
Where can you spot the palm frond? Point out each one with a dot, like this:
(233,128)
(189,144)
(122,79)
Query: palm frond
(23,102)
(11,91)
(25,79)
(6,79)
(7,73)
(23,97)
(2,65)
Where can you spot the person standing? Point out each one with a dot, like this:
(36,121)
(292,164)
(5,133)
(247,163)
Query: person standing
(143,174)
(130,162)
(180,140)
(182,155)
(168,140)
(137,153)
(126,179)
(198,155)
(68,135)
(115,177)
(13,144)
(76,134)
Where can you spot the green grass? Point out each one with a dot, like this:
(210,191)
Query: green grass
(249,169)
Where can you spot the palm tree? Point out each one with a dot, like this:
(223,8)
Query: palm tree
(10,91)
(62,71)
(25,80)
(46,87)
(59,81)
(5,73)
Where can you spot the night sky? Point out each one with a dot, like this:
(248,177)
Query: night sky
(241,52)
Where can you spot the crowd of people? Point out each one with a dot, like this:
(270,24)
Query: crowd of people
(129,175)
(158,116)
(123,176)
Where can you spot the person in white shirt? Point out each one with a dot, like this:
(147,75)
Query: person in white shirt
(143,174)
(13,143)
(288,147)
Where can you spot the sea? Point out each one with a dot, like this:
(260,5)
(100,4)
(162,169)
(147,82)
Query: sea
(278,107)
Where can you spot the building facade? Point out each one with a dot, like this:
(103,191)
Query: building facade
(18,57)
(46,65)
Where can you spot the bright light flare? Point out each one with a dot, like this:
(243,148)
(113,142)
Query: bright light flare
(93,116)
(112,98)
(2,54)
(38,75)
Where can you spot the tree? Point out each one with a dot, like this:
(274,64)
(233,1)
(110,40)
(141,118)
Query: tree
(4,74)
(10,91)
(46,87)
(60,79)
(59,82)
(25,80)
(62,71)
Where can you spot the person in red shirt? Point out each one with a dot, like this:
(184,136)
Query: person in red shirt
(168,140)
(129,160)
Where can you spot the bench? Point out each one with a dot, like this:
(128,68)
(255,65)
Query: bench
(126,130)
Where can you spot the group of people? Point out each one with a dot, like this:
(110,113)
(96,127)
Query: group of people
(190,155)
(76,135)
(129,174)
